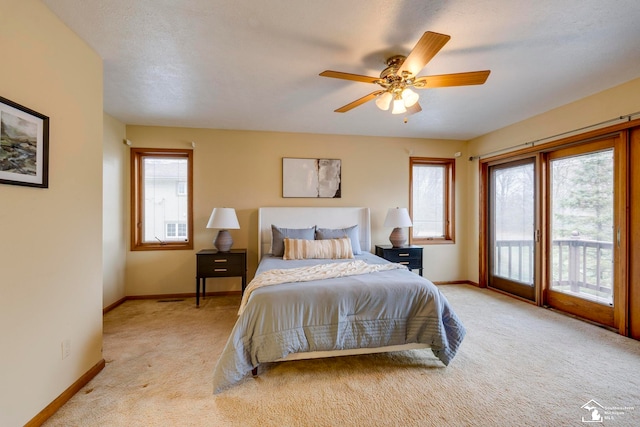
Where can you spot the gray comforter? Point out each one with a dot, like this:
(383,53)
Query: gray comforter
(378,309)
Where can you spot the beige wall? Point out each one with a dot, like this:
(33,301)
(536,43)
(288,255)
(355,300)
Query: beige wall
(243,170)
(604,106)
(114,237)
(51,245)
(51,251)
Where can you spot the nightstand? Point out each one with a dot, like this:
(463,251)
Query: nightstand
(211,263)
(410,255)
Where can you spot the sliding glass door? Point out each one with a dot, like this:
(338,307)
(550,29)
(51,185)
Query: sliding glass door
(559,226)
(511,228)
(581,221)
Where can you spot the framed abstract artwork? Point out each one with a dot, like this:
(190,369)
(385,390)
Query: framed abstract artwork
(24,146)
(311,178)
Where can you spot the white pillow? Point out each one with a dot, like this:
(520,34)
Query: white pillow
(307,249)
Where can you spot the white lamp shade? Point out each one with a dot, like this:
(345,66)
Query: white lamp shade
(409,97)
(224,219)
(398,106)
(397,217)
(384,101)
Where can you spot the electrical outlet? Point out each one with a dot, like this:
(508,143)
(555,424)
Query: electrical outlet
(66,348)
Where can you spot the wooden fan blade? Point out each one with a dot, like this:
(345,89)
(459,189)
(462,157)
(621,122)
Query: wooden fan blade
(429,44)
(358,102)
(415,108)
(349,76)
(457,79)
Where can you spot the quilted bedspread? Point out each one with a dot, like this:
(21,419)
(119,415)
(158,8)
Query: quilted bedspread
(387,306)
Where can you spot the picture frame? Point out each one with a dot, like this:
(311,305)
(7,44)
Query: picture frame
(24,146)
(316,178)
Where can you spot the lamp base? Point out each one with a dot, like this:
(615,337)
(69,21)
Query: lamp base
(398,238)
(223,241)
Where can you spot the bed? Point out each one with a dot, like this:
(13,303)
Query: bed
(311,307)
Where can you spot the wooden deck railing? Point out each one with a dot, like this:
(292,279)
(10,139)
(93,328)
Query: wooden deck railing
(579,266)
(583,266)
(514,260)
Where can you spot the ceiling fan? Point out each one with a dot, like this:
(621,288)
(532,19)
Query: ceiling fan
(400,76)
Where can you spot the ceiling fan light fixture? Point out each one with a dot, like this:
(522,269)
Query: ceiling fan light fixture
(398,105)
(410,97)
(384,101)
(400,78)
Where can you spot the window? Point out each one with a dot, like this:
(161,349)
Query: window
(176,231)
(181,188)
(161,194)
(431,201)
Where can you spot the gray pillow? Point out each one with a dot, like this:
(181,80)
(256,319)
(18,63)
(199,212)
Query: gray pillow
(336,233)
(278,234)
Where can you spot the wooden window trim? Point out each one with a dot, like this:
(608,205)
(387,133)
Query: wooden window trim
(449,199)
(137,154)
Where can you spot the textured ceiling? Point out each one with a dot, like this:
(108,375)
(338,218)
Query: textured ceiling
(254,65)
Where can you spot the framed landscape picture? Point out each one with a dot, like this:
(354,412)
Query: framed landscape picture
(24,145)
(311,178)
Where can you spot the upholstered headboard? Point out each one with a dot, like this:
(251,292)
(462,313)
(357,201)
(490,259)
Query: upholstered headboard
(293,217)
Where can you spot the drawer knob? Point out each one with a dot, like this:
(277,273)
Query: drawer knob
(220,260)
(219,269)
(405,254)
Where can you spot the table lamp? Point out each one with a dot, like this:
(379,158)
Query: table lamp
(398,218)
(223,219)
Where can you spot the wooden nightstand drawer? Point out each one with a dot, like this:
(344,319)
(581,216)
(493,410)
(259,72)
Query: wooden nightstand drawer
(411,256)
(221,265)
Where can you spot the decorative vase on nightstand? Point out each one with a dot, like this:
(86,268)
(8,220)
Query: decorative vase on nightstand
(398,238)
(223,241)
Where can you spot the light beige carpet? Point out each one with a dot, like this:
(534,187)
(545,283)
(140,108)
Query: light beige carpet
(519,366)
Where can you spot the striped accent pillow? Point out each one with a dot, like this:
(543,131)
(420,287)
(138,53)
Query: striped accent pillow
(328,249)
